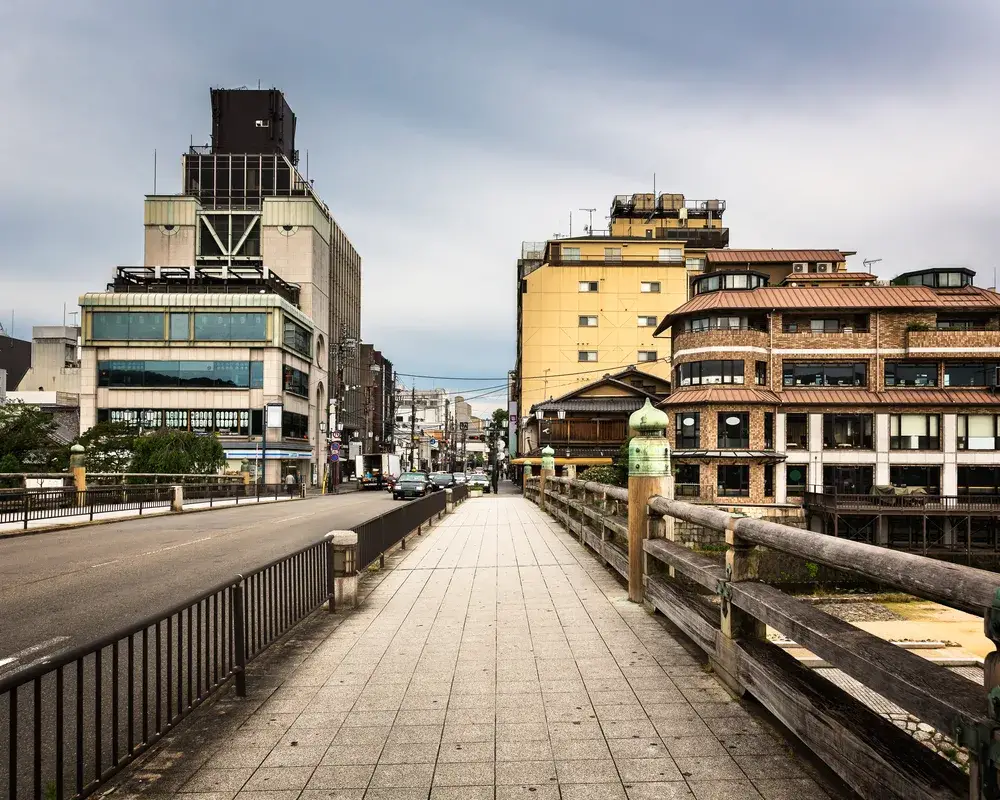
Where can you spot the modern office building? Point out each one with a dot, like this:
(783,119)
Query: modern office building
(876,407)
(588,305)
(379,401)
(249,290)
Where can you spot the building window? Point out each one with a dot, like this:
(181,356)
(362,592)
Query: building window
(588,286)
(571,254)
(646,356)
(126,326)
(914,432)
(911,373)
(825,374)
(687,430)
(297,338)
(687,480)
(795,479)
(970,373)
(701,373)
(734,430)
(979,480)
(180,326)
(647,322)
(760,373)
(978,432)
(848,480)
(697,264)
(847,431)
(962,323)
(226,422)
(769,480)
(180,374)
(294,426)
(613,255)
(924,477)
(230,327)
(588,322)
(797,431)
(768,430)
(295,381)
(586,355)
(650,287)
(671,255)
(733,480)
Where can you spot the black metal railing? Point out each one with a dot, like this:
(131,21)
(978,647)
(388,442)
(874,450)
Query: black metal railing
(460,492)
(384,532)
(930,503)
(24,505)
(70,722)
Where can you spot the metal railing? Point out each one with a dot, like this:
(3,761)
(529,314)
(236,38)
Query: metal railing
(725,611)
(460,492)
(931,503)
(24,505)
(378,535)
(72,721)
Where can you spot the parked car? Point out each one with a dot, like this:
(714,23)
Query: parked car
(481,481)
(411,484)
(460,477)
(441,480)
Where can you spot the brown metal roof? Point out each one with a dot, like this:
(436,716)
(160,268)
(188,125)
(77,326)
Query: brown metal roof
(807,298)
(806,277)
(727,256)
(718,394)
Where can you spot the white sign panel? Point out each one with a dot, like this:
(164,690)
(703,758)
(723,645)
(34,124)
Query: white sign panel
(273,415)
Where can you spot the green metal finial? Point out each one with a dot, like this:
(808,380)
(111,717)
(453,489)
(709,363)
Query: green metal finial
(648,420)
(649,452)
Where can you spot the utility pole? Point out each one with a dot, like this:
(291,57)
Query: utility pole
(447,456)
(413,427)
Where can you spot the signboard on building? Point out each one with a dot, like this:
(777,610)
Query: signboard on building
(273,415)
(512,428)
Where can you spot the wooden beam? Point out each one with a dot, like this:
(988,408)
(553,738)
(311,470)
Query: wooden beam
(698,568)
(688,611)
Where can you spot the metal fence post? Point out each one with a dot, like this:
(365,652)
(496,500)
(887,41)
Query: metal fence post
(26,498)
(330,581)
(239,637)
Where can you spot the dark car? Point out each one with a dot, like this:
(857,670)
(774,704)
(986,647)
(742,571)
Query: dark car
(442,480)
(411,484)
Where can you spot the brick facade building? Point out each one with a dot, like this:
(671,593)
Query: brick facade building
(875,406)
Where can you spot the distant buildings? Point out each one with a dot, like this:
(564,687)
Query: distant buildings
(15,359)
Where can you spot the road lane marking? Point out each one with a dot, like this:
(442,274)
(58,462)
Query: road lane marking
(27,651)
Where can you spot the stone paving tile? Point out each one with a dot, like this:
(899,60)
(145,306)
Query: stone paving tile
(495,659)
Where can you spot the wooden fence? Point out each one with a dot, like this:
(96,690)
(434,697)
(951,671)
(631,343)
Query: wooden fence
(725,611)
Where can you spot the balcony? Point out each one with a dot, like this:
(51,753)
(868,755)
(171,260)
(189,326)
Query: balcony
(562,432)
(926,341)
(748,335)
(915,502)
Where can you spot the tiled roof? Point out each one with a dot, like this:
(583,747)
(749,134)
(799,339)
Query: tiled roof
(719,394)
(727,256)
(595,405)
(806,298)
(833,397)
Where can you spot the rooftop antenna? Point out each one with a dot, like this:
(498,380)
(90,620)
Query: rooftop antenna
(868,262)
(154,187)
(590,211)
(571,224)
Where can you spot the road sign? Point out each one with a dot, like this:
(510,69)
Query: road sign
(463,426)
(334,457)
(335,436)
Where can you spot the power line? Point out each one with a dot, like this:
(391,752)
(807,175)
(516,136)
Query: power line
(523,377)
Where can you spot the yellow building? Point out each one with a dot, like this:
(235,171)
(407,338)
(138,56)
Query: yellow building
(588,305)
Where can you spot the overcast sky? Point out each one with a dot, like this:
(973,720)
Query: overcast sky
(442,133)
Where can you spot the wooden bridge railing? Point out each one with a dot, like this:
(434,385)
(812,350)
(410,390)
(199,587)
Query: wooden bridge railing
(725,611)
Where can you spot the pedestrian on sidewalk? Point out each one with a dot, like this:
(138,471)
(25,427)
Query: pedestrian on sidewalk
(290,484)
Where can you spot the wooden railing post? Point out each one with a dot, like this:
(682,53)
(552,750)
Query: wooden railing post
(525,476)
(647,477)
(548,470)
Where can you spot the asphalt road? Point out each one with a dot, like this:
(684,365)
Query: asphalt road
(63,589)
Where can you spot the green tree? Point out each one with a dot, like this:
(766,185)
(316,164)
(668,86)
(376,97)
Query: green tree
(26,437)
(110,447)
(178,452)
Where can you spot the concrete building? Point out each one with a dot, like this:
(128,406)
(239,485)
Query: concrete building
(874,407)
(158,355)
(15,358)
(55,360)
(588,305)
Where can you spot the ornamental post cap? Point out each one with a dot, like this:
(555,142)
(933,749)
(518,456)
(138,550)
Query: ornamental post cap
(548,451)
(648,420)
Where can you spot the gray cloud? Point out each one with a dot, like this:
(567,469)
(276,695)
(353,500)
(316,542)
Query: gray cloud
(442,134)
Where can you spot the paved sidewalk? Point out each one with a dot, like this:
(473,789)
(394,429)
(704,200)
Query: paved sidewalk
(497,659)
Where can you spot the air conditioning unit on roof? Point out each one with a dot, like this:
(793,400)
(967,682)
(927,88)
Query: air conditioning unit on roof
(800,266)
(824,266)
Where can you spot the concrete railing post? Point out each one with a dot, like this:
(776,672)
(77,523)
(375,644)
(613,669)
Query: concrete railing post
(449,501)
(177,498)
(548,470)
(342,575)
(78,466)
(648,467)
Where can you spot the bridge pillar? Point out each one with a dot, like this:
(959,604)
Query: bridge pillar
(648,468)
(525,474)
